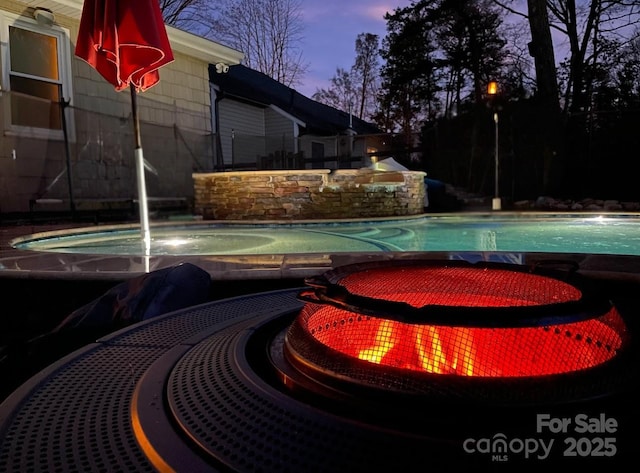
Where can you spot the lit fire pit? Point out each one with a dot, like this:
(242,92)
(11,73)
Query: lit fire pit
(420,327)
(401,365)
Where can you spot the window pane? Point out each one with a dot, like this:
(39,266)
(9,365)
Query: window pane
(26,110)
(33,53)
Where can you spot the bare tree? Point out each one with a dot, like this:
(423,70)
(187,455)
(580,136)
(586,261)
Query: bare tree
(340,94)
(184,14)
(268,32)
(541,48)
(585,24)
(355,91)
(366,73)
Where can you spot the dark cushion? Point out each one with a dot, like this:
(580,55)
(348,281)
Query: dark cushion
(137,299)
(143,297)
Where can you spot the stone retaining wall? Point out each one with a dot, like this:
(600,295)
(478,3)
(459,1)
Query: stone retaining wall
(308,194)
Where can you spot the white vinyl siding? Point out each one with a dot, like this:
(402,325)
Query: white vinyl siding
(279,131)
(246,123)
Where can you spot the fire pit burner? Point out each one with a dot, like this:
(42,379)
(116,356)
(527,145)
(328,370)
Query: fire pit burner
(434,327)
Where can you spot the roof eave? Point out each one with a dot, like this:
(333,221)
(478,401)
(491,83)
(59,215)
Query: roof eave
(202,48)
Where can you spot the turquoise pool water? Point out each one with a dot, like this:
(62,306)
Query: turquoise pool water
(521,232)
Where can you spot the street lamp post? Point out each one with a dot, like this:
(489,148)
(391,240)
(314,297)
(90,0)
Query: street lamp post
(492,91)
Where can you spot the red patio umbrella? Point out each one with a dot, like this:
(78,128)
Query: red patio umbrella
(126,42)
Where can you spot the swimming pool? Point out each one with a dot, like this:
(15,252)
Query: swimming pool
(611,234)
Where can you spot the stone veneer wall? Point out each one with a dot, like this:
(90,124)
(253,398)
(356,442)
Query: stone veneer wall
(308,194)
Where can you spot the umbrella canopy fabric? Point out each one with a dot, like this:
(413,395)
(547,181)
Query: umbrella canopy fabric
(125,41)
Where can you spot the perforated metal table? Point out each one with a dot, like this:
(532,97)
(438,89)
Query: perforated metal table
(80,414)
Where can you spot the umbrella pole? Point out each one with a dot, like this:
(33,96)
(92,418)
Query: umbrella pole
(142,187)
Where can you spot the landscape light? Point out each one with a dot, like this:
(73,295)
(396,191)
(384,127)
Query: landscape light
(492,91)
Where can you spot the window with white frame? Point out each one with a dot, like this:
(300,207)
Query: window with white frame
(36,69)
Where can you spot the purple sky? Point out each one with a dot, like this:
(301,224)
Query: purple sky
(330,31)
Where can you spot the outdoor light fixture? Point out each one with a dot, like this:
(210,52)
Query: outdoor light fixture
(492,91)
(222,68)
(43,16)
(492,88)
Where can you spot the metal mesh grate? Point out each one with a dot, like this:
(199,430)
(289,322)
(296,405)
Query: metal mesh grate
(450,321)
(459,286)
(463,351)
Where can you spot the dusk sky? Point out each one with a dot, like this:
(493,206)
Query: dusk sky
(330,31)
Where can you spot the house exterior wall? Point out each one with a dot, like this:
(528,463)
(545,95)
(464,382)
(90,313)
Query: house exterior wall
(179,103)
(280,130)
(176,134)
(181,97)
(27,163)
(242,131)
(328,144)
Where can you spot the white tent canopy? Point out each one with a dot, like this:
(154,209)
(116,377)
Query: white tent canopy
(388,164)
